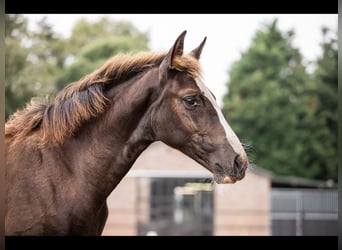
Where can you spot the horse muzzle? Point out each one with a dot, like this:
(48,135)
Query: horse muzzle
(230,173)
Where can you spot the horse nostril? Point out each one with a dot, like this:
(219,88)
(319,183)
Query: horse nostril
(238,162)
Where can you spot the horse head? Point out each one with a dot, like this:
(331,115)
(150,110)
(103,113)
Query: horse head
(188,118)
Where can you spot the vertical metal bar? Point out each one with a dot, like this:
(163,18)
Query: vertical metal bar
(299,213)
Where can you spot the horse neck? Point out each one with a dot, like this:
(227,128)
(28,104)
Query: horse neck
(107,147)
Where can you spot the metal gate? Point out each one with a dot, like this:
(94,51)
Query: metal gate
(178,206)
(304,212)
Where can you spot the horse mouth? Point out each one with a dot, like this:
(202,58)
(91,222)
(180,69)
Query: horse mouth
(222,176)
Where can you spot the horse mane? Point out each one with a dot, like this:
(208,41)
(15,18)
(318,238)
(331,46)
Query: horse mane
(85,99)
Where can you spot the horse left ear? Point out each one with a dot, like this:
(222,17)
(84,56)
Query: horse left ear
(176,50)
(197,52)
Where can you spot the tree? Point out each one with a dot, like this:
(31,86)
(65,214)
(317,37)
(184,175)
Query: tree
(272,102)
(85,32)
(15,32)
(93,43)
(326,75)
(39,63)
(33,61)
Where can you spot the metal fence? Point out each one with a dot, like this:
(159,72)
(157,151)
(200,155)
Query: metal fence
(304,212)
(175,210)
(178,210)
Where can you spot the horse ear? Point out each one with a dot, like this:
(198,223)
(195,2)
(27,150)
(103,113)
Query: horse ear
(176,50)
(197,52)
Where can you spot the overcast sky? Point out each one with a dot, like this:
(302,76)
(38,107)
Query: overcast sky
(227,35)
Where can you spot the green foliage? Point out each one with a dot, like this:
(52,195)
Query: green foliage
(38,63)
(31,61)
(14,60)
(86,32)
(274,105)
(326,76)
(115,37)
(104,48)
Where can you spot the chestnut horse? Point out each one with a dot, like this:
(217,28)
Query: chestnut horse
(65,156)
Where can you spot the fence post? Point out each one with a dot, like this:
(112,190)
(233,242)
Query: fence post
(299,213)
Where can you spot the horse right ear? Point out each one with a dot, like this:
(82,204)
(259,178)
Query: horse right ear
(167,63)
(197,52)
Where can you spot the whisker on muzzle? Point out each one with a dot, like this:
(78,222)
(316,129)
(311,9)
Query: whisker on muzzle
(250,151)
(208,180)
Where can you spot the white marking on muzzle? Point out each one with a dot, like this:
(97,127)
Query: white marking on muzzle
(233,140)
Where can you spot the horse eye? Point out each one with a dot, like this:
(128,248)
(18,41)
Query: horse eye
(191,101)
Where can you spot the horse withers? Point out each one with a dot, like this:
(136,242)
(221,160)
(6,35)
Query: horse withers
(65,156)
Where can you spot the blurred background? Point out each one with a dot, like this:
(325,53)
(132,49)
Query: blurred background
(275,78)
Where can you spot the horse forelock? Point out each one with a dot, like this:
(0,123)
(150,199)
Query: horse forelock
(79,101)
(189,64)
